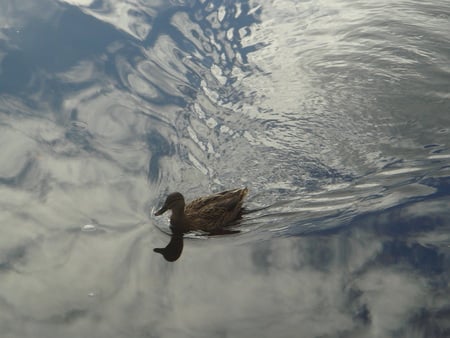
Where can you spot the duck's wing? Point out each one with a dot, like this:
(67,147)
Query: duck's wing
(217,210)
(226,200)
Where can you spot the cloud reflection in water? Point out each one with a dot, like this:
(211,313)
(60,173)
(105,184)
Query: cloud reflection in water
(106,106)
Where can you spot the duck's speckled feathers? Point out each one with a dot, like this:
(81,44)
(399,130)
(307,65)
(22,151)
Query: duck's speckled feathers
(218,210)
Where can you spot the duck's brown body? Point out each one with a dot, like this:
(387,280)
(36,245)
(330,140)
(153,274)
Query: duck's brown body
(205,213)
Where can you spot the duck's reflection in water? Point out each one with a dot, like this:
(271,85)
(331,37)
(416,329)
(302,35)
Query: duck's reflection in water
(174,249)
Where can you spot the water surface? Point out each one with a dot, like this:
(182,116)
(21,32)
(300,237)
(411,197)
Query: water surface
(333,113)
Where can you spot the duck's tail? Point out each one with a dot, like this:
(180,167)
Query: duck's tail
(244,192)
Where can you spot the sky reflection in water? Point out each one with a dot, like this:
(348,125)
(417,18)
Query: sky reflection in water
(332,113)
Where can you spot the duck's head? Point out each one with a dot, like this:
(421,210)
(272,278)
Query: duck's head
(173,201)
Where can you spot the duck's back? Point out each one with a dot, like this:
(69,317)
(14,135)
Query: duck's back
(218,210)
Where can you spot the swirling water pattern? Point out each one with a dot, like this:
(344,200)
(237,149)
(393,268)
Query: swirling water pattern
(334,114)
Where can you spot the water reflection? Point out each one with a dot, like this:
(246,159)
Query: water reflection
(174,249)
(365,279)
(334,114)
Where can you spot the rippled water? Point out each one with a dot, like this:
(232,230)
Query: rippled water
(335,115)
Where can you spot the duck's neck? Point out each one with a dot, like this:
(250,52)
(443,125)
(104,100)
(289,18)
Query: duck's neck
(178,217)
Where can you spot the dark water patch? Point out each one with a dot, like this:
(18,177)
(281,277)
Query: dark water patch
(426,260)
(17,179)
(26,68)
(428,146)
(432,322)
(159,147)
(78,133)
(66,45)
(441,184)
(69,317)
(15,256)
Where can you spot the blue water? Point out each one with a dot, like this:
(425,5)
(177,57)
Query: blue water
(335,115)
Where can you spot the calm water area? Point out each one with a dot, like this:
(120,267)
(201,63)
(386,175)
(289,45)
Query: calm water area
(334,113)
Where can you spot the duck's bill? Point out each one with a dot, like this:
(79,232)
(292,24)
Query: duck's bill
(161,211)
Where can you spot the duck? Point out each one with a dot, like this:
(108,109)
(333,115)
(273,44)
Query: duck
(209,213)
